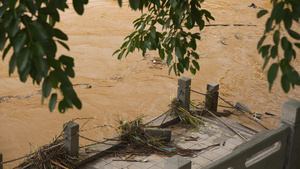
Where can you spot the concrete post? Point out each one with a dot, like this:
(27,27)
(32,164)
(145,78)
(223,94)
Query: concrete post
(211,98)
(184,92)
(291,117)
(1,160)
(71,138)
(177,162)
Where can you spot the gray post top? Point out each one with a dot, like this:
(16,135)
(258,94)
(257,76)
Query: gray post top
(72,127)
(184,82)
(212,87)
(291,112)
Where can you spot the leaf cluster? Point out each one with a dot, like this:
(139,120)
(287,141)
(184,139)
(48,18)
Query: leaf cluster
(282,17)
(27,29)
(174,43)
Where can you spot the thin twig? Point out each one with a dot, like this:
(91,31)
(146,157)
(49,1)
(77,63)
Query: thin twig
(184,135)
(238,133)
(58,165)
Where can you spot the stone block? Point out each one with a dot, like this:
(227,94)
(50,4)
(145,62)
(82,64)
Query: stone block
(211,99)
(71,138)
(184,82)
(291,112)
(177,162)
(184,92)
(159,133)
(212,87)
(291,118)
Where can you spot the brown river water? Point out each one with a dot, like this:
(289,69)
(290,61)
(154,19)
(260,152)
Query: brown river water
(132,87)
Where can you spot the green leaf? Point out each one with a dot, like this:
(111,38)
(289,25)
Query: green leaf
(62,77)
(272,73)
(66,60)
(295,78)
(3,9)
(193,71)
(287,19)
(6,51)
(12,64)
(276,37)
(178,53)
(195,55)
(52,102)
(285,67)
(162,54)
(13,28)
(288,54)
(266,62)
(59,34)
(64,45)
(193,44)
(46,87)
(200,24)
(69,93)
(153,32)
(31,6)
(121,54)
(261,13)
(38,31)
(62,106)
(118,50)
(120,3)
(196,65)
(284,43)
(2,39)
(19,41)
(294,34)
(69,71)
(261,41)
(297,45)
(7,19)
(180,67)
(170,69)
(160,21)
(125,44)
(169,59)
(134,4)
(278,12)
(24,74)
(54,80)
(12,3)
(23,58)
(285,83)
(78,6)
(269,24)
(173,3)
(274,51)
(50,48)
(264,50)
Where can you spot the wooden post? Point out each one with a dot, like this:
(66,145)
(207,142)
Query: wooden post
(211,98)
(291,117)
(1,160)
(184,92)
(71,138)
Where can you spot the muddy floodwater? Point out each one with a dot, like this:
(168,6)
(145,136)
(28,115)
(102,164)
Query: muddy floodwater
(111,90)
